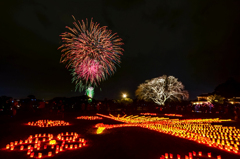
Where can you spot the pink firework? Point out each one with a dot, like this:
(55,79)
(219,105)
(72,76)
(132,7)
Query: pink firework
(92,51)
(90,71)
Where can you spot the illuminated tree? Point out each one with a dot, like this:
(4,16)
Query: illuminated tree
(161,89)
(216,99)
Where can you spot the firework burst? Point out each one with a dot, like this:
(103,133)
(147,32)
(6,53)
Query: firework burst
(91,52)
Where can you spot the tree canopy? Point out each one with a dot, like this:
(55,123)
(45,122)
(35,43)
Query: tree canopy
(161,89)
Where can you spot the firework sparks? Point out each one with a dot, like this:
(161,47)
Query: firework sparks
(91,52)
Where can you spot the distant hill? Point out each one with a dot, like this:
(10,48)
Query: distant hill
(229,89)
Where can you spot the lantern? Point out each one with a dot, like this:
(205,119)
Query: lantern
(39,155)
(209,154)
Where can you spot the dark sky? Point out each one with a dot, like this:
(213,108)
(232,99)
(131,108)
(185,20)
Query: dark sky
(195,41)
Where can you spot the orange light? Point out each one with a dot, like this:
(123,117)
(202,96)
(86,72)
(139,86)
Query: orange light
(209,154)
(52,142)
(39,155)
(178,156)
(199,153)
(32,154)
(49,153)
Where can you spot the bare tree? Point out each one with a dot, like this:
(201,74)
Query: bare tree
(160,89)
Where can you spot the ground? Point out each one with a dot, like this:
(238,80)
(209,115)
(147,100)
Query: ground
(117,143)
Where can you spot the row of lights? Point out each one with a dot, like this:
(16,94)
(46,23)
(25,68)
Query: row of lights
(177,115)
(48,123)
(148,114)
(89,117)
(190,155)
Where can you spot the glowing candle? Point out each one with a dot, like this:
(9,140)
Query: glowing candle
(209,154)
(178,156)
(71,146)
(32,154)
(66,146)
(166,155)
(22,147)
(7,146)
(16,142)
(39,155)
(199,153)
(186,157)
(219,157)
(52,146)
(49,153)
(28,152)
(190,154)
(12,148)
(170,155)
(75,146)
(80,145)
(56,151)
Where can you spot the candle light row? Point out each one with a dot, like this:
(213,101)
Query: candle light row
(148,114)
(48,123)
(191,155)
(177,115)
(89,117)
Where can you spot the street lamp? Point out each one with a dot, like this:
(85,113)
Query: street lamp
(124,95)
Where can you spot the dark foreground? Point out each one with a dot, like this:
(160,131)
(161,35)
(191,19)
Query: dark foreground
(117,143)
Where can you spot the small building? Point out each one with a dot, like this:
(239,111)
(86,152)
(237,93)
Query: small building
(234,100)
(202,99)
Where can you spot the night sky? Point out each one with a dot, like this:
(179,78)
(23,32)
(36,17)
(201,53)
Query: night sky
(195,41)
